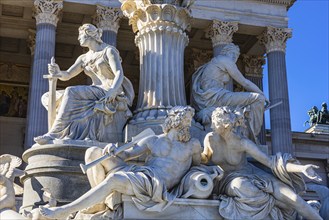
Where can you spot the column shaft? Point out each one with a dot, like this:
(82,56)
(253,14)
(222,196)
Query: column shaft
(280,115)
(161,69)
(161,40)
(36,113)
(110,37)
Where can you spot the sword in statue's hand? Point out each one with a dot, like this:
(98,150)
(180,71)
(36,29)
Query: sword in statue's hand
(272,105)
(52,79)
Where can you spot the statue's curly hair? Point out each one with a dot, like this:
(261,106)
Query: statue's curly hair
(175,117)
(226,117)
(92,31)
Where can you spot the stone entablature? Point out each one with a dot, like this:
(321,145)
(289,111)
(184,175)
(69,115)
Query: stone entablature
(245,12)
(107,18)
(275,39)
(47,11)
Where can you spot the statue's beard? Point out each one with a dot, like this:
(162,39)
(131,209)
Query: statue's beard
(183,134)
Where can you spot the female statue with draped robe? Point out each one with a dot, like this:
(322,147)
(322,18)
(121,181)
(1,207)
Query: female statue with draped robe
(92,112)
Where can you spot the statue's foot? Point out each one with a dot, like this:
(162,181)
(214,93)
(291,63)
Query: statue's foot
(53,213)
(94,209)
(43,139)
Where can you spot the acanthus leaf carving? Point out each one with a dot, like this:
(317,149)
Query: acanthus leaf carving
(275,39)
(221,32)
(253,65)
(142,15)
(47,11)
(107,18)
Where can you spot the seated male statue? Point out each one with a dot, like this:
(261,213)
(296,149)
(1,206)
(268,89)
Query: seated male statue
(170,156)
(246,191)
(210,89)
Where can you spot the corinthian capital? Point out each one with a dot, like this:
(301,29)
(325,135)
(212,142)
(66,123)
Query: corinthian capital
(275,39)
(47,11)
(221,32)
(147,15)
(107,18)
(253,65)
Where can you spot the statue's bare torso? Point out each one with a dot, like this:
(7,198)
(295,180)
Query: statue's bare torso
(230,157)
(171,159)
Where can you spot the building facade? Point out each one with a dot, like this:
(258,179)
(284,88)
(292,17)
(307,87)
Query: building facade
(34,31)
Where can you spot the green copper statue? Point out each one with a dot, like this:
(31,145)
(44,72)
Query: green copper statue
(318,117)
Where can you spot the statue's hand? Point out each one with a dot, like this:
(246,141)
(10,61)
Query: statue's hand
(109,149)
(53,69)
(108,97)
(308,171)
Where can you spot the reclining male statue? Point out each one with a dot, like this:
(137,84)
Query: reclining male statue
(170,157)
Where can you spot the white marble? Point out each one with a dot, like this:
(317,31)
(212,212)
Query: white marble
(210,89)
(161,39)
(180,209)
(152,185)
(248,192)
(97,112)
(8,171)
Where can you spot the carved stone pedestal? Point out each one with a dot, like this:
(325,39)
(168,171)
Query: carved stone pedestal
(53,166)
(318,129)
(180,209)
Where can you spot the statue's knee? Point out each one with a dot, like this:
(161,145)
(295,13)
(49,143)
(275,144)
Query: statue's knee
(243,185)
(70,90)
(92,153)
(260,98)
(116,179)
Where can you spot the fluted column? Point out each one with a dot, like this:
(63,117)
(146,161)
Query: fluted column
(46,14)
(161,39)
(274,40)
(253,69)
(108,19)
(221,34)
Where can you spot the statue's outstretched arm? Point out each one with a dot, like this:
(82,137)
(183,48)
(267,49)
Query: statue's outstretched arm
(234,72)
(307,170)
(252,149)
(207,151)
(73,71)
(139,149)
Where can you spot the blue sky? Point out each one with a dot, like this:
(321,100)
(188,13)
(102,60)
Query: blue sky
(307,60)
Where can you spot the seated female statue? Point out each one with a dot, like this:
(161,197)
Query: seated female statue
(98,111)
